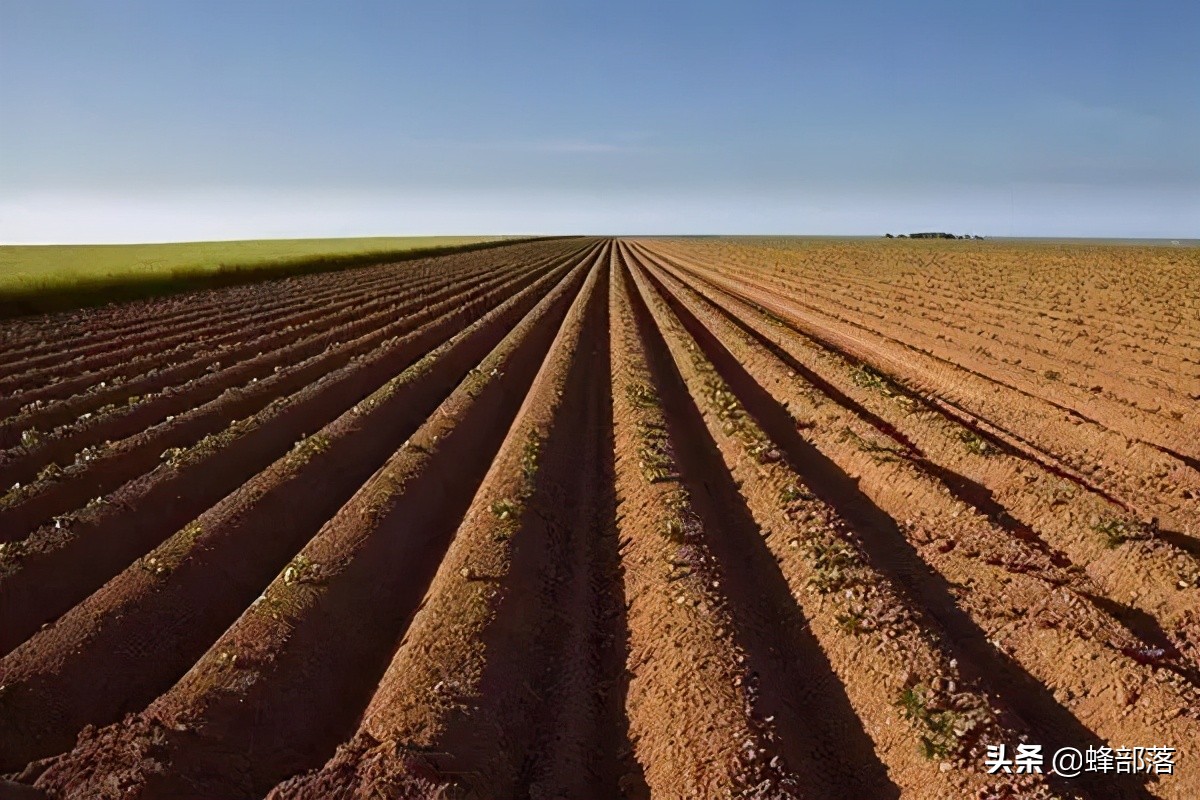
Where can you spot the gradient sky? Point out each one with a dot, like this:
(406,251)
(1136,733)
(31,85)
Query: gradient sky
(148,121)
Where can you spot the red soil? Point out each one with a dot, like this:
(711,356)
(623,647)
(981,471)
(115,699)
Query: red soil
(609,518)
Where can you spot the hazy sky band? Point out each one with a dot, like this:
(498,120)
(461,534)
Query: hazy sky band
(140,121)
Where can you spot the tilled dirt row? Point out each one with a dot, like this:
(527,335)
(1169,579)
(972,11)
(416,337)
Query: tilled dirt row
(1023,495)
(850,580)
(98,469)
(1160,489)
(111,344)
(250,337)
(36,336)
(44,339)
(92,548)
(1163,414)
(41,448)
(613,519)
(935,534)
(1140,300)
(1033,329)
(250,344)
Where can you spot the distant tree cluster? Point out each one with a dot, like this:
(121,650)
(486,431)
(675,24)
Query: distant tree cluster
(930,236)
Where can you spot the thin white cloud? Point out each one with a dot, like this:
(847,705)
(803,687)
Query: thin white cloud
(1124,119)
(555,145)
(581,146)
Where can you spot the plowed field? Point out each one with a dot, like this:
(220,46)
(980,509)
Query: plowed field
(595,518)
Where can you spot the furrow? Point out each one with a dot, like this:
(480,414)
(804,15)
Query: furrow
(1087,405)
(384,317)
(102,390)
(1140,480)
(286,682)
(586,749)
(694,718)
(215,310)
(1153,569)
(95,473)
(1011,607)
(464,697)
(191,587)
(48,404)
(61,563)
(826,592)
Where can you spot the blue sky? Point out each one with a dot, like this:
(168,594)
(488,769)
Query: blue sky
(144,121)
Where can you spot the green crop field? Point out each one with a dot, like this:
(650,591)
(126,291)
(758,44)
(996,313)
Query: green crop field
(37,278)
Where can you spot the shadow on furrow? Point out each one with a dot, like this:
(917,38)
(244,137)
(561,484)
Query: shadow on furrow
(1191,461)
(891,552)
(823,738)
(963,488)
(310,655)
(590,726)
(143,629)
(1158,649)
(1180,541)
(950,409)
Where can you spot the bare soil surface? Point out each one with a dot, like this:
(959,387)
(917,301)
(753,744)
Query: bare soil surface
(598,518)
